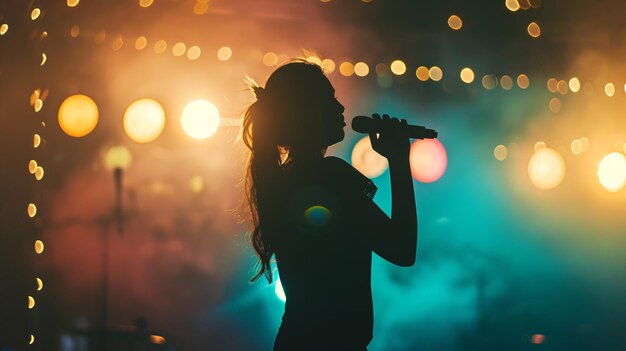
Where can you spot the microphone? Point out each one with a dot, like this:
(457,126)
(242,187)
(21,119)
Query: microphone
(364,124)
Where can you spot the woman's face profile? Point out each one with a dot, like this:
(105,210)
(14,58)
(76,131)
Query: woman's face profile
(329,115)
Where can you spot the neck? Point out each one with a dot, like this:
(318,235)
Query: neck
(306,155)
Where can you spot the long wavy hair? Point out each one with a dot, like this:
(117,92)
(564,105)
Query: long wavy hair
(277,123)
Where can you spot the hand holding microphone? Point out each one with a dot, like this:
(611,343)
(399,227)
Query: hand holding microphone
(393,139)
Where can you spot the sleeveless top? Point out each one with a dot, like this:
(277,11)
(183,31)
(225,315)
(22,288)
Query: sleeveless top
(323,262)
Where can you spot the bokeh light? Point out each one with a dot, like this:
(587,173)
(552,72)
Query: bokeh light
(4,28)
(366,160)
(552,85)
(539,145)
(31,302)
(500,152)
(270,59)
(576,146)
(117,43)
(78,115)
(455,22)
(361,69)
(489,81)
(117,157)
(35,13)
(506,82)
(39,173)
(224,53)
(435,73)
(574,85)
(346,69)
(193,53)
(398,67)
(609,89)
(428,159)
(36,141)
(612,171)
(467,75)
(555,105)
(39,247)
(512,5)
(141,43)
(328,65)
(160,46)
(562,87)
(534,30)
(200,119)
(39,284)
(522,81)
(422,73)
(144,120)
(178,49)
(546,168)
(32,166)
(72,3)
(145,3)
(74,31)
(200,8)
(31,210)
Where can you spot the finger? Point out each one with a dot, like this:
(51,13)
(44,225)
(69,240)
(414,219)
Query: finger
(373,140)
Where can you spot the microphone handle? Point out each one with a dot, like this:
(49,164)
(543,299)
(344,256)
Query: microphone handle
(364,124)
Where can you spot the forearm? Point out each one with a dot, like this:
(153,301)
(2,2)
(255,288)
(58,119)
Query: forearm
(403,208)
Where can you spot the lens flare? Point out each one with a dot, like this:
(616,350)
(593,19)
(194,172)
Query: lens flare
(428,160)
(612,172)
(366,160)
(546,168)
(317,215)
(144,120)
(200,119)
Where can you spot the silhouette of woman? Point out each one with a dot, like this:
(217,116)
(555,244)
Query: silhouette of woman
(316,213)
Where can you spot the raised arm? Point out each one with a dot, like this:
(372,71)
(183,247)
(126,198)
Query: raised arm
(395,238)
